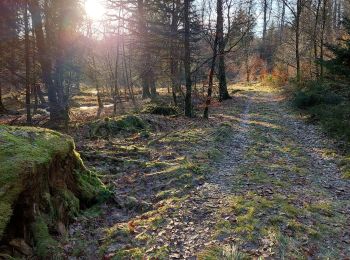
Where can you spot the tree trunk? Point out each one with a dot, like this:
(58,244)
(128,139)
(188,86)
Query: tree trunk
(315,38)
(127,79)
(174,66)
(144,57)
(97,85)
(263,49)
(116,87)
(324,19)
(223,93)
(43,57)
(187,60)
(27,61)
(282,21)
(211,77)
(297,43)
(2,107)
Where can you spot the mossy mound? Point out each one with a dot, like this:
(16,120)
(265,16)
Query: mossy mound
(160,109)
(113,126)
(224,132)
(41,178)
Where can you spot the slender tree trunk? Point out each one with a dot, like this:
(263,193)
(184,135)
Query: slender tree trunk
(2,107)
(247,67)
(265,9)
(211,78)
(324,19)
(36,100)
(152,83)
(97,85)
(223,93)
(27,61)
(130,76)
(187,60)
(116,87)
(144,57)
(297,41)
(127,79)
(44,58)
(41,95)
(282,21)
(174,66)
(35,85)
(315,38)
(213,63)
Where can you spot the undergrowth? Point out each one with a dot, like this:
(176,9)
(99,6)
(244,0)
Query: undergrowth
(328,105)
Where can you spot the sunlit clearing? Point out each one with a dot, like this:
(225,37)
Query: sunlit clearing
(95,9)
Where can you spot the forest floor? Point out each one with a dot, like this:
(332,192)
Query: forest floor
(253,181)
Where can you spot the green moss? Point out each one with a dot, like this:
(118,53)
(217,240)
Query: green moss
(223,132)
(86,186)
(46,246)
(70,202)
(322,207)
(22,151)
(345,167)
(157,221)
(45,162)
(161,253)
(133,253)
(113,126)
(90,187)
(166,194)
(214,154)
(132,203)
(228,252)
(92,212)
(160,109)
(211,253)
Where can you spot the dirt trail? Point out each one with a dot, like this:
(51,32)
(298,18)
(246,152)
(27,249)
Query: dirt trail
(191,228)
(276,192)
(194,226)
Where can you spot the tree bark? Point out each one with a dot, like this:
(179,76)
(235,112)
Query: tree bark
(145,67)
(27,61)
(43,57)
(223,93)
(173,63)
(297,40)
(187,60)
(263,49)
(211,77)
(315,38)
(2,107)
(324,19)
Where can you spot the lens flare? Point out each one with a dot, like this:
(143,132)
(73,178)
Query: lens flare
(95,9)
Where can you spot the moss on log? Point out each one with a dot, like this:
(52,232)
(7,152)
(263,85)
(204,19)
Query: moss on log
(43,182)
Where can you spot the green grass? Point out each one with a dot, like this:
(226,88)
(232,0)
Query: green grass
(330,108)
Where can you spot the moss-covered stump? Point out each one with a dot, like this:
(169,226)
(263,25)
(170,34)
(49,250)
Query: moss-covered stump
(160,109)
(43,184)
(118,125)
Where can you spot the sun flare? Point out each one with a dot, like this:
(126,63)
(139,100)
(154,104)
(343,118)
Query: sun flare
(95,9)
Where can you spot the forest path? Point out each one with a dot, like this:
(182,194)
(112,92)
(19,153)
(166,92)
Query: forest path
(272,189)
(277,192)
